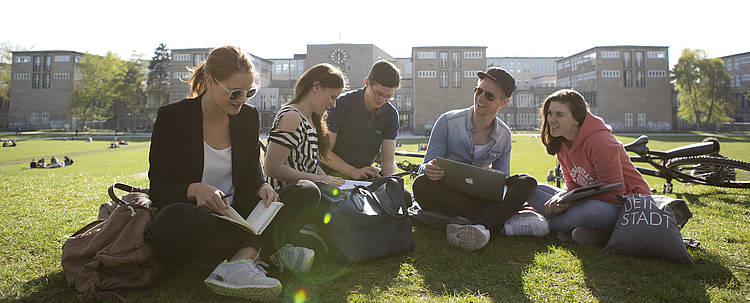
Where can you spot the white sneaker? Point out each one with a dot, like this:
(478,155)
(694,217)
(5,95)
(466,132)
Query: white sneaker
(526,223)
(468,237)
(296,259)
(243,278)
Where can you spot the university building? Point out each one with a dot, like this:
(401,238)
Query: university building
(628,86)
(738,67)
(42,84)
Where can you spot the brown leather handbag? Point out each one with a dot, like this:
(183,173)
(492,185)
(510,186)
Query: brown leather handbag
(113,254)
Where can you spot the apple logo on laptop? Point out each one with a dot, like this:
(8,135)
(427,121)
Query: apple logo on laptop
(469,180)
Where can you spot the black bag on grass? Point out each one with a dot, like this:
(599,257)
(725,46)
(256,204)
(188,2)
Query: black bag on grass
(366,223)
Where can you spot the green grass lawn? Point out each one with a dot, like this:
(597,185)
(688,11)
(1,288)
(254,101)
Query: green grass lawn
(43,206)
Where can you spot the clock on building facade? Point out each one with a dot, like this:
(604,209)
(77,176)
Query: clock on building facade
(339,57)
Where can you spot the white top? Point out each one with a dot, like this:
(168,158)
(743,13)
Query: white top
(217,169)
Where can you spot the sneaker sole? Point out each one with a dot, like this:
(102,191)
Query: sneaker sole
(469,241)
(261,293)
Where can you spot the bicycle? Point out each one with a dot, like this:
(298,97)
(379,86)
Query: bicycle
(693,163)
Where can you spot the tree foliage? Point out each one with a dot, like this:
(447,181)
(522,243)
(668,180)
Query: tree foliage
(99,87)
(158,80)
(130,89)
(6,57)
(703,87)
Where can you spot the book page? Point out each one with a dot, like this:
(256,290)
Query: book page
(350,184)
(261,216)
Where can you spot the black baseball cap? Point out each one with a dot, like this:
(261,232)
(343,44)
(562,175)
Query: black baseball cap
(502,78)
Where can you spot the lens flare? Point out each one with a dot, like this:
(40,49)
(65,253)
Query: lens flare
(300,295)
(327,218)
(335,191)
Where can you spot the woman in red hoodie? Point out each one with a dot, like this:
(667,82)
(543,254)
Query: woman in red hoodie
(588,154)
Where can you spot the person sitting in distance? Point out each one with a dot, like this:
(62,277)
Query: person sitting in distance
(32,164)
(68,161)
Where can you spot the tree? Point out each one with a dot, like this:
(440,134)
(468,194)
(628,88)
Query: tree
(97,90)
(703,87)
(158,81)
(6,55)
(130,92)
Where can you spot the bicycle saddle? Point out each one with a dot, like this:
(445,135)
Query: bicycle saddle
(638,146)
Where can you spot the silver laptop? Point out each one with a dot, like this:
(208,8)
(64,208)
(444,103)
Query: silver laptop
(484,183)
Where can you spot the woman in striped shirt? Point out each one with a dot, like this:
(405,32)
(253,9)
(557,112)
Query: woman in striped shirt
(299,134)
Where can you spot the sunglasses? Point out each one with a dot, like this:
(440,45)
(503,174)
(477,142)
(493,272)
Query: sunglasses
(488,95)
(237,93)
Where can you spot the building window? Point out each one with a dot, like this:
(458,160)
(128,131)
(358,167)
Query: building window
(640,81)
(45,118)
(456,59)
(78,59)
(45,81)
(292,67)
(277,68)
(470,74)
(443,60)
(656,55)
(657,74)
(407,102)
(23,77)
(628,79)
(626,62)
(628,119)
(743,60)
(426,55)
(182,57)
(47,63)
(610,54)
(443,79)
(37,64)
(745,77)
(62,58)
(639,59)
(426,74)
(184,76)
(407,70)
(641,119)
(23,59)
(610,74)
(61,76)
(728,64)
(197,59)
(472,55)
(34,118)
(78,76)
(456,78)
(35,81)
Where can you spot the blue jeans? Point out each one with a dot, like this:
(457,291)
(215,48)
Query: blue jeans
(588,213)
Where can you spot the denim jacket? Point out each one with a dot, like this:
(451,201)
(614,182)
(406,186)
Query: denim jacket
(452,138)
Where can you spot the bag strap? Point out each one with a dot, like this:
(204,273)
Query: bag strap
(393,182)
(125,187)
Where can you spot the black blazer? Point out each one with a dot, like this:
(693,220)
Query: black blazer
(176,155)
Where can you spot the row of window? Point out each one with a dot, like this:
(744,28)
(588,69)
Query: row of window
(294,67)
(523,119)
(629,119)
(517,66)
(195,58)
(627,60)
(433,55)
(737,80)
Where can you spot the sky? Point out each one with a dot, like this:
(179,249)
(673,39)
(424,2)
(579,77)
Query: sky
(280,29)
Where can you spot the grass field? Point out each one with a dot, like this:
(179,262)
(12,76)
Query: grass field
(40,207)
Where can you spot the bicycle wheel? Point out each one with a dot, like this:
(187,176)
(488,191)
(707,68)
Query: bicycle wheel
(722,172)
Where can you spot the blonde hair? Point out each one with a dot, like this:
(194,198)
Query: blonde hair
(221,63)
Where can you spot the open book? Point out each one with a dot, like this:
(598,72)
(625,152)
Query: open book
(258,219)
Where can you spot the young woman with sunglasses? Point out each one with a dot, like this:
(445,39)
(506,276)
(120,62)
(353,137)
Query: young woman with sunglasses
(205,158)
(477,137)
(588,154)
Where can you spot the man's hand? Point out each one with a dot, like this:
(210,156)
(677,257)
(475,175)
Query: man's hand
(364,173)
(267,194)
(433,172)
(553,207)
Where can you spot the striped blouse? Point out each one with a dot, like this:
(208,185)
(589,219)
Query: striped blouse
(302,142)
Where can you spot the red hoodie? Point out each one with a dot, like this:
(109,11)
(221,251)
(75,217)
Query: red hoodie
(597,157)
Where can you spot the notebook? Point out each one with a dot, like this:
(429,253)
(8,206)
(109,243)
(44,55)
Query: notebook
(484,183)
(587,191)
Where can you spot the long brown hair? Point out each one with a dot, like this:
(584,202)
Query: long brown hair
(221,63)
(578,107)
(328,77)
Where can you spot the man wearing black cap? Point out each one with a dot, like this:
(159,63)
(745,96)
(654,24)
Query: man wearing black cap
(477,137)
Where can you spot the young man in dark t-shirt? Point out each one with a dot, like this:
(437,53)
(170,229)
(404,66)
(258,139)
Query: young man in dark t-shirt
(362,124)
